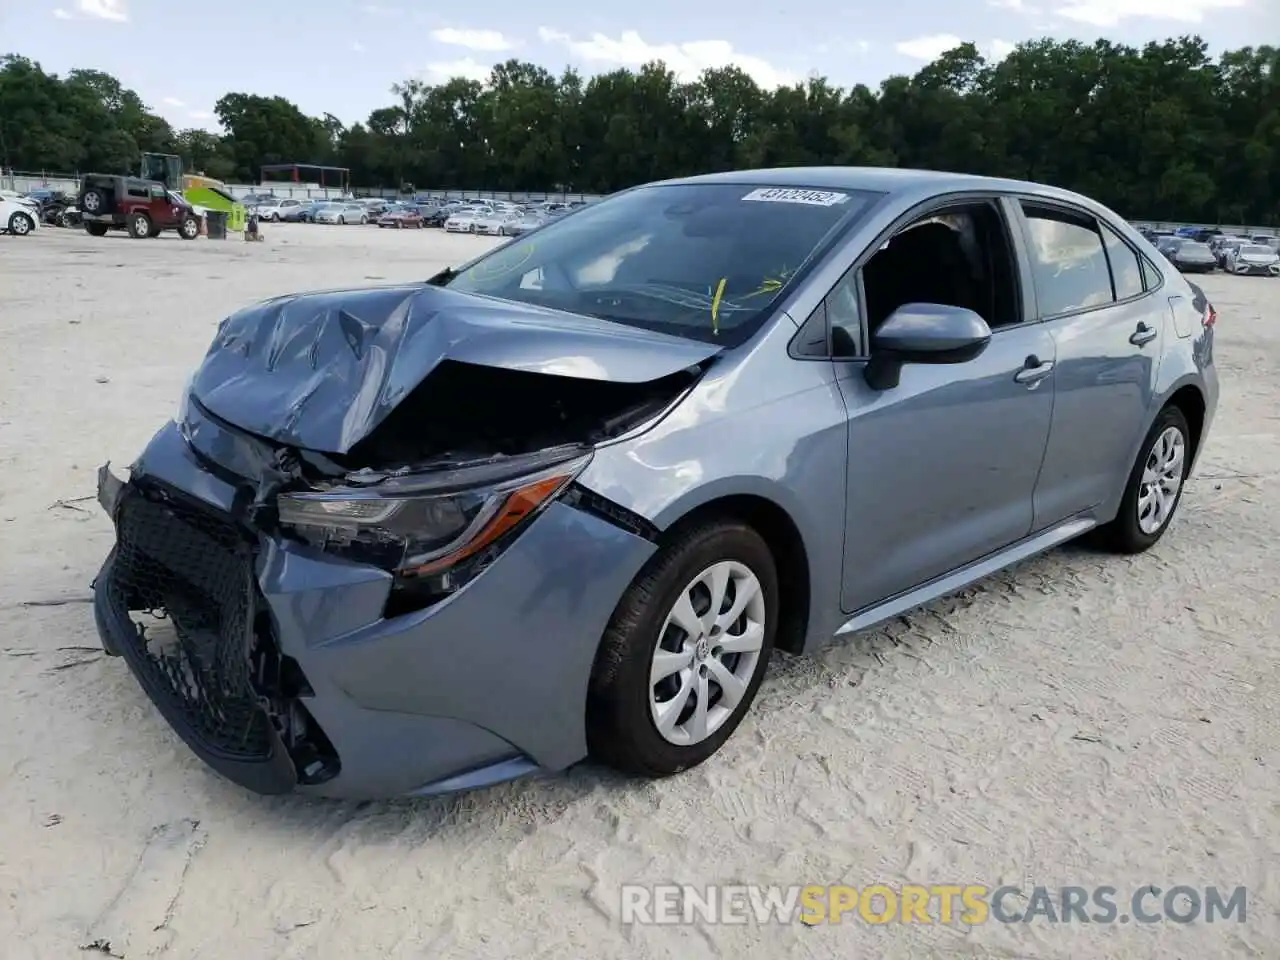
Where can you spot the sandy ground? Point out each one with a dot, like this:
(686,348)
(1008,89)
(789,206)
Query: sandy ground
(1082,720)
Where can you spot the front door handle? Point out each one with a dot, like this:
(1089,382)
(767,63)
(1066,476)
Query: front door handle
(1033,371)
(1142,336)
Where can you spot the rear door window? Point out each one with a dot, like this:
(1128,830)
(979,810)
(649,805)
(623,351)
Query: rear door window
(1126,269)
(1068,260)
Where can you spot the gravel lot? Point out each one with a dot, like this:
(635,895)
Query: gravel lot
(1083,720)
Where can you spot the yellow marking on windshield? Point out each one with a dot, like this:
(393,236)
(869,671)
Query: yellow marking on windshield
(715,305)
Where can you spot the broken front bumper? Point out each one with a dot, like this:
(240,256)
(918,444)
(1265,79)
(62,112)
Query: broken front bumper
(281,671)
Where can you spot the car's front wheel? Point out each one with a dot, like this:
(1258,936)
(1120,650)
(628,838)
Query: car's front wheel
(20,224)
(685,652)
(1154,488)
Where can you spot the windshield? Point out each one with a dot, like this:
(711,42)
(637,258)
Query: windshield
(698,260)
(1254,248)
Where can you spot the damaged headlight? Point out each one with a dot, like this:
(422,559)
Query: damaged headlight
(421,524)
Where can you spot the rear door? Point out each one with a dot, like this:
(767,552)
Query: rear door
(1109,327)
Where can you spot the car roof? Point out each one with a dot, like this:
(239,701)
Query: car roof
(891,180)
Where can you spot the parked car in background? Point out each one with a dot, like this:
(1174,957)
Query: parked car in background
(302,213)
(576,509)
(495,224)
(342,213)
(18,218)
(464,220)
(144,208)
(524,223)
(399,219)
(1223,247)
(1253,259)
(277,210)
(1190,256)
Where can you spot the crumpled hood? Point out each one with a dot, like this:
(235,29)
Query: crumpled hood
(320,371)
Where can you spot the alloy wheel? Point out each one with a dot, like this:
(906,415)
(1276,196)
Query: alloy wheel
(20,226)
(706,653)
(1161,480)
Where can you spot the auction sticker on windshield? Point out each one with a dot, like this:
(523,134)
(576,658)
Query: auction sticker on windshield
(814,198)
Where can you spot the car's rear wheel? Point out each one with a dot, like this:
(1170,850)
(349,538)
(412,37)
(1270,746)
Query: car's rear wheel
(685,652)
(96,229)
(20,224)
(364,221)
(1155,485)
(342,222)
(139,225)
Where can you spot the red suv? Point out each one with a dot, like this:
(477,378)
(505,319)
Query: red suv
(143,207)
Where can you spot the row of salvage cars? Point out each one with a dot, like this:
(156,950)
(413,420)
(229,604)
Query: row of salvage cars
(1204,251)
(498,218)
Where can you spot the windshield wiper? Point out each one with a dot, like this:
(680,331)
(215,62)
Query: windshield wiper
(442,278)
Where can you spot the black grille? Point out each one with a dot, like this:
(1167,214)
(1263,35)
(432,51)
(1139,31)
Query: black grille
(185,574)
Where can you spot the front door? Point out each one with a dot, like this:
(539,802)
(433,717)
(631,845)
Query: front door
(164,212)
(942,468)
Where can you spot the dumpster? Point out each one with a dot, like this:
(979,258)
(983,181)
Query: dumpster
(217,221)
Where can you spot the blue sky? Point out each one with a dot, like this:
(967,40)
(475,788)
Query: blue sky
(342,56)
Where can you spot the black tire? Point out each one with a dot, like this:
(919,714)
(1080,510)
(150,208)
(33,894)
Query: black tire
(139,226)
(96,229)
(342,221)
(1123,534)
(275,218)
(620,728)
(189,228)
(20,224)
(93,201)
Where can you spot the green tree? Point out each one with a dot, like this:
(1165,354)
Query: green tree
(1163,131)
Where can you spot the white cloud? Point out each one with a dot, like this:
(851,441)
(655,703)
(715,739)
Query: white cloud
(930,47)
(490,41)
(466,67)
(200,115)
(1018,6)
(173,102)
(104,9)
(357,46)
(687,60)
(1108,13)
(60,14)
(998,49)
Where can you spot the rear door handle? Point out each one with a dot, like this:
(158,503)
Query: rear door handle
(1142,336)
(1033,371)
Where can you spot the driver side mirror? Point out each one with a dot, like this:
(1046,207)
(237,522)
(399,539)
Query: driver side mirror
(924,333)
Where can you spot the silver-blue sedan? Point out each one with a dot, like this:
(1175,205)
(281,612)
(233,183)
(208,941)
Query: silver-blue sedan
(567,499)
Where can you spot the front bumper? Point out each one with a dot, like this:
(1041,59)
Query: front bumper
(1258,269)
(486,685)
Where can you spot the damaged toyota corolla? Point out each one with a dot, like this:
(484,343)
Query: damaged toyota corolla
(565,500)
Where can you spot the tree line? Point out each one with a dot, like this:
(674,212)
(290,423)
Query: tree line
(1165,131)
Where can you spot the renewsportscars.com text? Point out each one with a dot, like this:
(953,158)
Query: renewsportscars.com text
(962,904)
